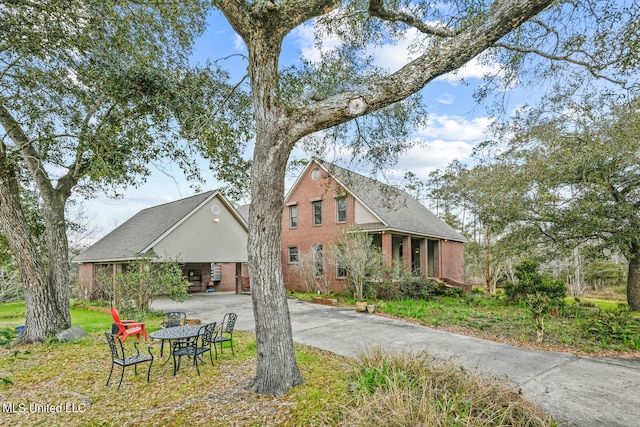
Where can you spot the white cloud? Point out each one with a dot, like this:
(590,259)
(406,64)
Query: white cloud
(395,56)
(138,199)
(310,49)
(437,154)
(445,98)
(452,128)
(474,69)
(238,44)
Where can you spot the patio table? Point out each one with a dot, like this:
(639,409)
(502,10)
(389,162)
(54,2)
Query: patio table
(175,333)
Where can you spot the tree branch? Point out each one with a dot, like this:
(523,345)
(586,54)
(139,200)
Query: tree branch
(376,8)
(565,58)
(441,58)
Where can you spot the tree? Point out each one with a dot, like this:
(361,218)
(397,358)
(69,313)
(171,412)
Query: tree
(581,158)
(143,281)
(88,100)
(345,90)
(488,192)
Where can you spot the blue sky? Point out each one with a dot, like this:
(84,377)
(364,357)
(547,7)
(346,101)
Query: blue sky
(456,122)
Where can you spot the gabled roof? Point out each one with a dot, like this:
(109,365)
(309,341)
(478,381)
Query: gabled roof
(395,208)
(142,231)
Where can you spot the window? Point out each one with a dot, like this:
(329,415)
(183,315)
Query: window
(341,271)
(293,254)
(293,216)
(317,212)
(317,260)
(341,209)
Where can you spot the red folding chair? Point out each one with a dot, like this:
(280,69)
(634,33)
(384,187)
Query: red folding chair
(127,327)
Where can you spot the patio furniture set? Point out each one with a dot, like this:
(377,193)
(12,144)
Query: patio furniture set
(185,339)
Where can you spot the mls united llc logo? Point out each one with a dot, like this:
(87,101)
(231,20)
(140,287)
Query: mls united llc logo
(19,408)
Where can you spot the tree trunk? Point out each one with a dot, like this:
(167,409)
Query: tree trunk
(633,278)
(58,254)
(277,370)
(45,307)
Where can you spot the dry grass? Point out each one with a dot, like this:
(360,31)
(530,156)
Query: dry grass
(73,375)
(400,389)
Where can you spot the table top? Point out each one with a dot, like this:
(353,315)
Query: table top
(176,332)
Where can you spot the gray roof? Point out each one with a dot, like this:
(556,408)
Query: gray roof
(396,208)
(243,210)
(132,237)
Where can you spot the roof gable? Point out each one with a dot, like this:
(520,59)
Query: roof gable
(142,231)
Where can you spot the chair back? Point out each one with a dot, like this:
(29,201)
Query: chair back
(229,322)
(115,315)
(115,345)
(174,318)
(206,334)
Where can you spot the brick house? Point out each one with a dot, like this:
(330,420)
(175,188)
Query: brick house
(205,233)
(326,199)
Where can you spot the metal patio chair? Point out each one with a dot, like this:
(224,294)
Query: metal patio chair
(194,347)
(118,357)
(225,333)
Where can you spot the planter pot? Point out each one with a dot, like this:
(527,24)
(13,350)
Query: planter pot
(371,308)
(361,306)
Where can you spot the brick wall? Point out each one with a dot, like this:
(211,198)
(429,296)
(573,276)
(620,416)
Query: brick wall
(306,234)
(452,254)
(85,280)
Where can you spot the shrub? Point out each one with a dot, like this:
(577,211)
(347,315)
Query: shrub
(454,292)
(141,283)
(385,290)
(531,282)
(613,325)
(417,287)
(539,292)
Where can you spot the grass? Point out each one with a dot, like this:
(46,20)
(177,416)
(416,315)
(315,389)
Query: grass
(578,329)
(71,377)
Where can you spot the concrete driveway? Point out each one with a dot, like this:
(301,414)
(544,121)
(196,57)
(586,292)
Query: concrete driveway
(578,391)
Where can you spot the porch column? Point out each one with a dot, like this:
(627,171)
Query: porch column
(406,255)
(387,251)
(424,258)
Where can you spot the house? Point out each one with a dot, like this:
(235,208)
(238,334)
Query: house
(204,233)
(326,199)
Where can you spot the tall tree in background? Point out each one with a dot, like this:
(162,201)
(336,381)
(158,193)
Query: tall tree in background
(582,158)
(87,100)
(488,195)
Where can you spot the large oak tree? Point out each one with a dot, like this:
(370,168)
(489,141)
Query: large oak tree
(88,100)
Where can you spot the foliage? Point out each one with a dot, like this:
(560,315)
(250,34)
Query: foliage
(566,328)
(531,282)
(142,281)
(540,293)
(419,287)
(618,325)
(7,335)
(399,389)
(10,286)
(361,259)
